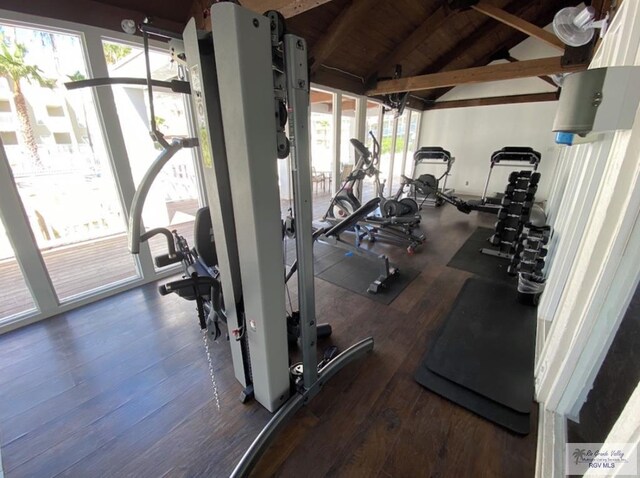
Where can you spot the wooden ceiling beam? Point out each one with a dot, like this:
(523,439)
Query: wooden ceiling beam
(485,33)
(546,79)
(413,41)
(519,24)
(493,100)
(201,9)
(512,38)
(502,71)
(288,8)
(338,31)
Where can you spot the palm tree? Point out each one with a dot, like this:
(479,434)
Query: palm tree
(14,68)
(579,454)
(77,76)
(114,52)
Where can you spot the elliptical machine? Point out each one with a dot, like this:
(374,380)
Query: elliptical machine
(397,219)
(345,201)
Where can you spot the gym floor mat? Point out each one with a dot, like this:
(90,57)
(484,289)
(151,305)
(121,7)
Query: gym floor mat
(324,255)
(487,344)
(470,259)
(355,273)
(482,406)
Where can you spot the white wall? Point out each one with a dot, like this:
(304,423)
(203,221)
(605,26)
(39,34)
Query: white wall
(472,134)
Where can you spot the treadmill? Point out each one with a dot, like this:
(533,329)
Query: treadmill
(515,157)
(435,156)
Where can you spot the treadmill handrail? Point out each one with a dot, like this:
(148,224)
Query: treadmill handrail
(135,212)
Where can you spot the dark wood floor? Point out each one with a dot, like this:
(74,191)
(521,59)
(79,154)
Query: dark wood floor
(121,388)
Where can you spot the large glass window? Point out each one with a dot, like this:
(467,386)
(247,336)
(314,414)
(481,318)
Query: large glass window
(398,157)
(15,297)
(373,123)
(174,198)
(59,161)
(347,131)
(413,142)
(322,149)
(386,144)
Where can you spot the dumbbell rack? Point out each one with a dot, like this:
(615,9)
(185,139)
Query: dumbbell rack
(514,212)
(530,252)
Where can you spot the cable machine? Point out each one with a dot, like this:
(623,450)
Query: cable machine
(247,80)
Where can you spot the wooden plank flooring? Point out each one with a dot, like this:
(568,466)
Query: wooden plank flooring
(121,388)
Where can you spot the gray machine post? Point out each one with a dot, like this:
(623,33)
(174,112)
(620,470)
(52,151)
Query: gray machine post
(295,54)
(234,100)
(298,96)
(242,45)
(205,99)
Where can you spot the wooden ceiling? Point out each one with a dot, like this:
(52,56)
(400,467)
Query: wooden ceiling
(422,36)
(356,44)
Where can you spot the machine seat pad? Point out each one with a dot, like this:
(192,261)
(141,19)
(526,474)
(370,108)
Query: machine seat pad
(205,244)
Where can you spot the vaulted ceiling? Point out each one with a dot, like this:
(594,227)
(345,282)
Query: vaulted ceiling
(356,44)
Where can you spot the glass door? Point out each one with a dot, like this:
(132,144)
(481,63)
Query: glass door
(413,142)
(398,158)
(322,149)
(372,125)
(174,197)
(15,297)
(60,163)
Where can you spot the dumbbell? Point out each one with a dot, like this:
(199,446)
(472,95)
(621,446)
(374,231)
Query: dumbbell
(509,235)
(535,178)
(495,240)
(511,222)
(513,176)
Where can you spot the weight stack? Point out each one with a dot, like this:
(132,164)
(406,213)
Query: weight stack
(517,202)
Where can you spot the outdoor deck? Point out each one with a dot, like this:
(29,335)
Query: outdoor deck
(78,268)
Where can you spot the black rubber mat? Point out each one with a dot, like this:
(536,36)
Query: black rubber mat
(324,255)
(482,406)
(487,344)
(355,273)
(470,259)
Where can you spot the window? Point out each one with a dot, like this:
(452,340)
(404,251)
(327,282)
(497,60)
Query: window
(62,138)
(9,138)
(413,142)
(5,106)
(398,158)
(15,297)
(372,126)
(55,111)
(386,149)
(174,198)
(347,131)
(322,148)
(68,192)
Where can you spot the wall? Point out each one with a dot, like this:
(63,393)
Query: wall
(472,134)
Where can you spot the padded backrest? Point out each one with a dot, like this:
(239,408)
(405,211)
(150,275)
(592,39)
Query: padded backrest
(205,243)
